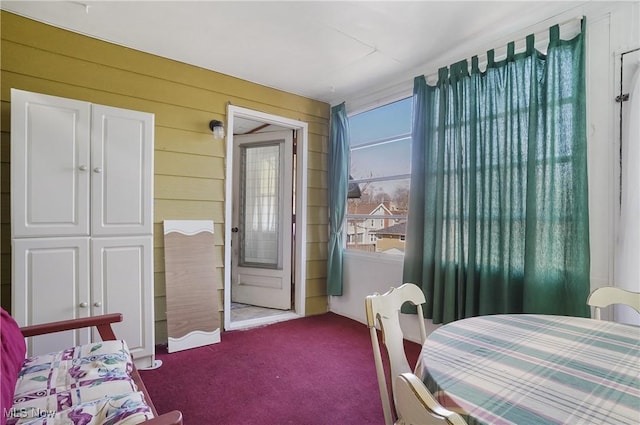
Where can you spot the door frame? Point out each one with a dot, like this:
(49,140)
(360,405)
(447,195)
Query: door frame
(299,249)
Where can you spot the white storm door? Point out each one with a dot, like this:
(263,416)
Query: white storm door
(262,228)
(49,165)
(121,169)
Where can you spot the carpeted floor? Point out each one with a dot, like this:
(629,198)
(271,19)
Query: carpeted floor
(316,370)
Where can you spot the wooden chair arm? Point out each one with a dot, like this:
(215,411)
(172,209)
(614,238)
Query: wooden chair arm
(102,323)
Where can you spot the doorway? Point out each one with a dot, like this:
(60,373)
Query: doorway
(264,275)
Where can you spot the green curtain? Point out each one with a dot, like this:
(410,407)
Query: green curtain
(338,183)
(498,219)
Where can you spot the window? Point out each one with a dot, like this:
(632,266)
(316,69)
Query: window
(379,173)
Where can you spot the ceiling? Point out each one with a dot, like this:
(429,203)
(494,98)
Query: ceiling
(326,50)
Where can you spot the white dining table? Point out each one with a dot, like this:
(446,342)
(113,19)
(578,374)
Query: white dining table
(535,369)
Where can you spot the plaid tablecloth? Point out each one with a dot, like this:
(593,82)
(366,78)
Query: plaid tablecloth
(535,369)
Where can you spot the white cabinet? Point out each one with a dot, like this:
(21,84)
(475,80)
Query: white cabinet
(49,165)
(51,282)
(77,162)
(122,282)
(82,211)
(121,171)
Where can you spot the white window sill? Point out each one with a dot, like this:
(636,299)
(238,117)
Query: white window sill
(374,256)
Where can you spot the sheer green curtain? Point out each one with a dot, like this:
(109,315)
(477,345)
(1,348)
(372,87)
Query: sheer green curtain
(338,180)
(498,220)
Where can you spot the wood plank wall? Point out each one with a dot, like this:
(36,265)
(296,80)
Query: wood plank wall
(189,165)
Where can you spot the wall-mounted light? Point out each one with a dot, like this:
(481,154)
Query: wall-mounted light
(217,128)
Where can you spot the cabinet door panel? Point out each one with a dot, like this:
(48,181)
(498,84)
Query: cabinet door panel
(49,165)
(122,164)
(51,283)
(122,283)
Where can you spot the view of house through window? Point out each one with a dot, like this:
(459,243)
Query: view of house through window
(379,175)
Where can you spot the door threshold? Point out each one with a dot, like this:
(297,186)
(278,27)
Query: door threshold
(262,321)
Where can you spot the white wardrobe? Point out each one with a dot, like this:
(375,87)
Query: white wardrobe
(82,218)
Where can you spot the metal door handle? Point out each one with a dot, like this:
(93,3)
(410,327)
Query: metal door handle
(97,304)
(82,168)
(97,170)
(234,229)
(84,305)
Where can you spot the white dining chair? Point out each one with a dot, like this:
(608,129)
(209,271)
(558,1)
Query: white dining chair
(417,406)
(608,295)
(384,311)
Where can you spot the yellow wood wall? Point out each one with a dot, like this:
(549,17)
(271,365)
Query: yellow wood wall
(189,165)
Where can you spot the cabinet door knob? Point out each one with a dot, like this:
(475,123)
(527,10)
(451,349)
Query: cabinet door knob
(84,305)
(97,304)
(97,170)
(82,168)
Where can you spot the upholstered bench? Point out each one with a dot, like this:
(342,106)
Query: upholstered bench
(90,384)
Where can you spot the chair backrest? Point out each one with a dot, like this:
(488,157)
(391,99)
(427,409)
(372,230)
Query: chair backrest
(607,295)
(417,406)
(384,310)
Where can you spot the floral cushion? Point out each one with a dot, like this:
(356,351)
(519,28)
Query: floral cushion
(94,378)
(121,409)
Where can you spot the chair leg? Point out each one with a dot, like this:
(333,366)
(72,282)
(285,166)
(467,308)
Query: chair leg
(382,383)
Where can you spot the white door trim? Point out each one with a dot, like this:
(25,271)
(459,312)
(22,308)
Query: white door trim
(301,211)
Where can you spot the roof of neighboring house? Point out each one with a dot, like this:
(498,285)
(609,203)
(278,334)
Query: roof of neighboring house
(360,208)
(400,211)
(396,229)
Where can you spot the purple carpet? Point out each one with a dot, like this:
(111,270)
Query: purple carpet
(316,370)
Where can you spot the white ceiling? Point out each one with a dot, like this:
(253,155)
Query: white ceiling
(326,50)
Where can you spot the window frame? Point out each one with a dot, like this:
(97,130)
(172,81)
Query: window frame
(356,238)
